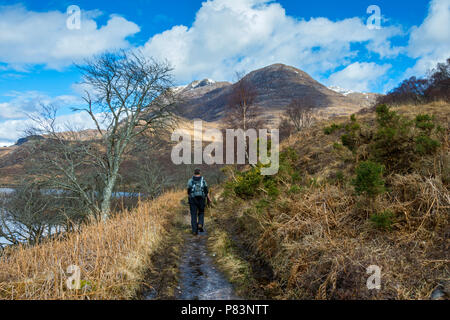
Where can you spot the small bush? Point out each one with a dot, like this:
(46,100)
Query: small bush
(397,144)
(289,154)
(369,179)
(383,220)
(349,141)
(426,145)
(337,146)
(288,167)
(250,183)
(386,117)
(294,189)
(272,189)
(331,129)
(351,138)
(425,122)
(262,205)
(340,177)
(352,127)
(247,185)
(296,177)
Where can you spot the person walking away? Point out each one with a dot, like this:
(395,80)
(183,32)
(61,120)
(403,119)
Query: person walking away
(198,193)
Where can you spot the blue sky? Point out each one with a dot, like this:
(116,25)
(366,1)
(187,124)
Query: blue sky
(213,39)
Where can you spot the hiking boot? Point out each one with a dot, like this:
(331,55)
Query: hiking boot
(200,228)
(195,233)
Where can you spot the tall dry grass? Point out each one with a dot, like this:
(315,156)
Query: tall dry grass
(113,257)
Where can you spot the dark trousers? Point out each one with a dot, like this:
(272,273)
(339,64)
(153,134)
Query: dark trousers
(197,206)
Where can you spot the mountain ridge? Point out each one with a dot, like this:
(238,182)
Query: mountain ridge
(276,86)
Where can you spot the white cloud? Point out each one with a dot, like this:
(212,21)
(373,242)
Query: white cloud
(8,111)
(430,42)
(12,130)
(359,76)
(6,143)
(235,35)
(21,103)
(30,38)
(13,114)
(229,36)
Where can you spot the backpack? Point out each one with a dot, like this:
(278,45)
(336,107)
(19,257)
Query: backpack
(197,188)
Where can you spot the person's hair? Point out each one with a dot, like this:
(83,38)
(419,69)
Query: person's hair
(197,172)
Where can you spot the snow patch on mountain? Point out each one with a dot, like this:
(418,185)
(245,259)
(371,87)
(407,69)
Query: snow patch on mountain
(179,88)
(194,85)
(201,83)
(340,90)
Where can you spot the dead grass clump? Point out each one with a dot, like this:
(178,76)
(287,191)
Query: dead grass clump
(423,202)
(322,248)
(112,257)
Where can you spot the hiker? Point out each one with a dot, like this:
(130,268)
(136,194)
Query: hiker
(198,194)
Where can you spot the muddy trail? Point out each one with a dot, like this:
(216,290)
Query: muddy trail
(197,275)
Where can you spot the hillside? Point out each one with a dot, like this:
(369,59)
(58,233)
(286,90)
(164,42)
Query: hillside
(16,160)
(308,233)
(276,85)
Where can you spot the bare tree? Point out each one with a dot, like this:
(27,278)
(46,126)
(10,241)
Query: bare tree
(436,86)
(300,113)
(66,161)
(127,95)
(26,215)
(241,112)
(152,179)
(411,90)
(439,82)
(286,128)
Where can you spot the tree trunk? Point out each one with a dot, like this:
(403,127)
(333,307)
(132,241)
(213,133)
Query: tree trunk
(107,196)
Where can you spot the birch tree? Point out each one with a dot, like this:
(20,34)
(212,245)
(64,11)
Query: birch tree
(126,95)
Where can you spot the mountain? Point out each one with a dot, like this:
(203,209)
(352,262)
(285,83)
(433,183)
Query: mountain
(276,85)
(204,99)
